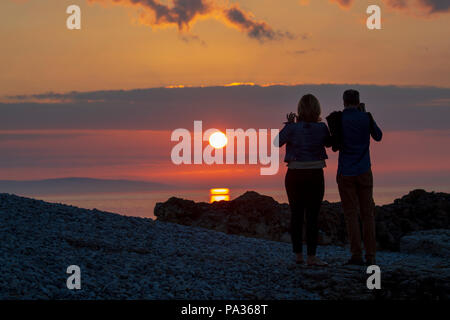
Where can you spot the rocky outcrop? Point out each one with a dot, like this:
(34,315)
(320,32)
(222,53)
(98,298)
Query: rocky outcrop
(417,211)
(251,214)
(260,216)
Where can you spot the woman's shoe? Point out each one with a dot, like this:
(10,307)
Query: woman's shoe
(299,259)
(314,261)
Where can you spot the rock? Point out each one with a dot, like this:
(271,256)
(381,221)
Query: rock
(419,210)
(259,216)
(261,229)
(433,242)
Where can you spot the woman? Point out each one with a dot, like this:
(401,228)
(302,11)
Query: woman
(305,141)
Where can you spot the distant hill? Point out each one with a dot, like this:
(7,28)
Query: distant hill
(76,186)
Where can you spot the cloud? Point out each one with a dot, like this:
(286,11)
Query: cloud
(427,7)
(184,13)
(239,106)
(244,22)
(434,6)
(343,3)
(302,51)
(181,14)
(398,4)
(104,133)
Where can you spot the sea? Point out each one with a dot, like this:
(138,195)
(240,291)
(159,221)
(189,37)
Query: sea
(142,204)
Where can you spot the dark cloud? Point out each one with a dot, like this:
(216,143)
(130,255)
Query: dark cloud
(254,29)
(426,6)
(397,108)
(436,5)
(183,13)
(192,38)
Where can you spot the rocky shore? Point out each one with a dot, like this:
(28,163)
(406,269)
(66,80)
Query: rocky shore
(133,258)
(260,216)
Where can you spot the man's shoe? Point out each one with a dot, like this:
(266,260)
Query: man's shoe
(370,261)
(355,261)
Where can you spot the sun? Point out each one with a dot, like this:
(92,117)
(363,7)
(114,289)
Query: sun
(218,140)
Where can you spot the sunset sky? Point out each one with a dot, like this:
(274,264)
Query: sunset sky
(102,101)
(122,46)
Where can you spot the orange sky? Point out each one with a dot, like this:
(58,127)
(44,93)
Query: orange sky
(317,42)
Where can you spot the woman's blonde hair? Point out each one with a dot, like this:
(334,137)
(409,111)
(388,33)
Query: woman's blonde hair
(309,109)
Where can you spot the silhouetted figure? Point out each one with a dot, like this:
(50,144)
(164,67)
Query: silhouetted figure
(305,141)
(351,130)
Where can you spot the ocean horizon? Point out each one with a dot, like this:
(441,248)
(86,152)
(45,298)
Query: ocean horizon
(142,204)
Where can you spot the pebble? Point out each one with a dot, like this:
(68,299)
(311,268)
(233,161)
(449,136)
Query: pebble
(128,258)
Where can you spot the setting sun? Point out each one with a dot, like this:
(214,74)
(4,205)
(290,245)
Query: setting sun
(218,140)
(219,194)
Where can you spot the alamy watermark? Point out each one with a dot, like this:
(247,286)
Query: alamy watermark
(189,150)
(74,280)
(374,281)
(374,20)
(73,22)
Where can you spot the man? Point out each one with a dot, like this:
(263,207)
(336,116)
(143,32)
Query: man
(351,130)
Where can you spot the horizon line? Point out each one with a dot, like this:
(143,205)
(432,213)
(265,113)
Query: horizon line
(39,96)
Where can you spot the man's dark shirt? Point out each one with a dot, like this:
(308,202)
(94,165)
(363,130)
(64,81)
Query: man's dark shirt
(354,154)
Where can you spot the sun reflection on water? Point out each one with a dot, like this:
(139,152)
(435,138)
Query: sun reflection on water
(219,194)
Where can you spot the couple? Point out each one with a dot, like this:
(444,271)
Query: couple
(306,138)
